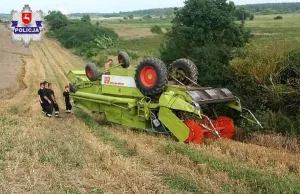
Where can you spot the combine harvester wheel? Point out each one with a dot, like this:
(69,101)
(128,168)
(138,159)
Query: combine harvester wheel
(184,71)
(92,72)
(151,77)
(123,59)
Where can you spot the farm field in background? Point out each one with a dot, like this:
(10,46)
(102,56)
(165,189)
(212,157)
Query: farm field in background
(265,28)
(136,35)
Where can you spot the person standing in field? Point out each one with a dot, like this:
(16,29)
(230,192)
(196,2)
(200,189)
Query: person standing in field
(53,100)
(47,100)
(41,98)
(66,95)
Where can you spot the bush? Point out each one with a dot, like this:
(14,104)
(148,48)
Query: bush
(131,17)
(104,42)
(86,18)
(75,35)
(156,29)
(272,122)
(267,81)
(99,59)
(80,35)
(290,74)
(278,17)
(251,17)
(56,20)
(147,17)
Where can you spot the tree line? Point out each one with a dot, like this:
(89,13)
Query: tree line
(248,11)
(273,8)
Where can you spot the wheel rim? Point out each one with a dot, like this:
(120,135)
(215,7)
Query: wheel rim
(148,76)
(89,72)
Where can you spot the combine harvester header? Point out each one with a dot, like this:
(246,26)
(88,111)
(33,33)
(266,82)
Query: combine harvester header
(157,99)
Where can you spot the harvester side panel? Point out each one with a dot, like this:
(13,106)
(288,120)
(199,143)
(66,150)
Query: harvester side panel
(114,112)
(174,124)
(122,91)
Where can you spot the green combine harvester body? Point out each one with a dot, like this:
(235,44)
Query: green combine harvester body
(127,98)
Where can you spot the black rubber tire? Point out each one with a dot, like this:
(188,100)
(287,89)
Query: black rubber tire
(162,77)
(92,72)
(123,59)
(189,69)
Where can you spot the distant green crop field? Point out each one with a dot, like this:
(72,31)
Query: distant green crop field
(266,28)
(136,37)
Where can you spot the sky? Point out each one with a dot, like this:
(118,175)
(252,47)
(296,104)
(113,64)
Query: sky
(105,6)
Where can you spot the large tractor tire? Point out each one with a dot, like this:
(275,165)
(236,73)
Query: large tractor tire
(151,77)
(92,72)
(182,68)
(123,59)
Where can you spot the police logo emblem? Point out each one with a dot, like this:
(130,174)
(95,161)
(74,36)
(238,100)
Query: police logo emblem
(26,26)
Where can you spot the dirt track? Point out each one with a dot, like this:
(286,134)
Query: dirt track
(39,155)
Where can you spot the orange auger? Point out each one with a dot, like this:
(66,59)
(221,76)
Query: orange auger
(200,131)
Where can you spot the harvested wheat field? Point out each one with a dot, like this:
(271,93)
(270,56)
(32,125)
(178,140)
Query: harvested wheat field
(75,154)
(11,55)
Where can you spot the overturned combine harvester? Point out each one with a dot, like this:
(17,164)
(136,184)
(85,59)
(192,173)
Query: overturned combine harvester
(155,98)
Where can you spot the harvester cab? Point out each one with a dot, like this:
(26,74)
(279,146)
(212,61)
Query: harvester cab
(157,98)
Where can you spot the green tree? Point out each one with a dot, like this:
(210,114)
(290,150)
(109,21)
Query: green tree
(86,18)
(156,29)
(241,13)
(131,17)
(56,20)
(205,31)
(251,17)
(97,23)
(147,17)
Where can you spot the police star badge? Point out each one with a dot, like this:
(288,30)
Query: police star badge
(26,26)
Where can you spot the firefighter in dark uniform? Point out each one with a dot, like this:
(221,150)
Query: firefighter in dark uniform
(41,98)
(66,95)
(53,100)
(47,100)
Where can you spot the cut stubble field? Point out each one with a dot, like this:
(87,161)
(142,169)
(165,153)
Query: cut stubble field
(10,68)
(76,154)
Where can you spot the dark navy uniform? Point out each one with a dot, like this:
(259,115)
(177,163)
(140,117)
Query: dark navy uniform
(40,93)
(67,101)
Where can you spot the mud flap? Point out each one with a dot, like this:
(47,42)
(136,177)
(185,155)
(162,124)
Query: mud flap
(174,124)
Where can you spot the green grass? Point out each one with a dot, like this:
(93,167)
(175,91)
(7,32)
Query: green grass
(181,184)
(14,110)
(147,46)
(265,28)
(8,131)
(257,181)
(136,23)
